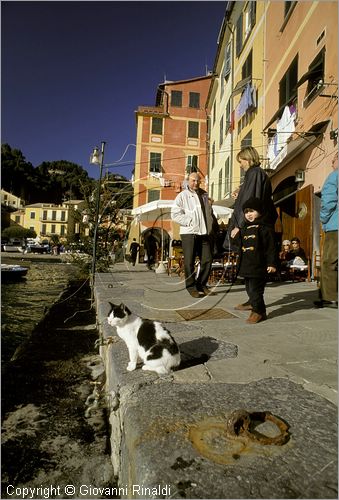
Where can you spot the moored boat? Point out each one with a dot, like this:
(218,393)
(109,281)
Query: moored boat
(12,272)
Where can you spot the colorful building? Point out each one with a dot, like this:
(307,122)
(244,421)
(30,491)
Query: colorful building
(47,219)
(171,143)
(275,87)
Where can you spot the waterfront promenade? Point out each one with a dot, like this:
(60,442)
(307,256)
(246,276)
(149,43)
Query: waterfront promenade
(170,432)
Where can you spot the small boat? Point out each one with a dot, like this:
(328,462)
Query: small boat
(12,272)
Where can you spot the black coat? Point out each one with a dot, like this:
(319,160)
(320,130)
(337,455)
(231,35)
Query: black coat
(256,185)
(258,249)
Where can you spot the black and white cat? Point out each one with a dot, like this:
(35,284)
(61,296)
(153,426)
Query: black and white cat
(145,338)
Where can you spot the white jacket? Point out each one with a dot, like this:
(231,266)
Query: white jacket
(187,212)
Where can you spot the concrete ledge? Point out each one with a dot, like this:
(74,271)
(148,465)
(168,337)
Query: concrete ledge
(168,433)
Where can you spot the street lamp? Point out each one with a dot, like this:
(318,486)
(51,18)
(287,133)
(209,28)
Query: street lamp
(97,158)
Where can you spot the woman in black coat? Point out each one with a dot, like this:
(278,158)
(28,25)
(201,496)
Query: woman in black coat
(256,185)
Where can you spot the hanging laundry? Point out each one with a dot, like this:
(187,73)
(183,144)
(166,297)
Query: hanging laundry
(245,102)
(285,127)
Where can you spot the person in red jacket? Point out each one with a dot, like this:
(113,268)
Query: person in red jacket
(257,258)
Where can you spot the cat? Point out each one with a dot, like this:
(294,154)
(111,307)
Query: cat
(145,338)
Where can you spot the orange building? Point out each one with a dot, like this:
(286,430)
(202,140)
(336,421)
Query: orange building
(300,111)
(171,142)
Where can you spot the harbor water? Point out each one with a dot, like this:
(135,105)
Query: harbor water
(24,303)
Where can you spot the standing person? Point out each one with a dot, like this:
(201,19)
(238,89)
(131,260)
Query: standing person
(256,184)
(193,212)
(329,220)
(257,257)
(133,250)
(151,249)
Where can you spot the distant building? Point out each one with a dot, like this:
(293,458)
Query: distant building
(9,200)
(47,219)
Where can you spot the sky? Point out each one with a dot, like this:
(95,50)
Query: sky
(74,73)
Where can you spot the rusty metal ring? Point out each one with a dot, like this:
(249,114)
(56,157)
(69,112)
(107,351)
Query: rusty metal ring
(243,423)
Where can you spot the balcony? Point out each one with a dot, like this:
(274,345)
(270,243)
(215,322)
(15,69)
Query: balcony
(151,111)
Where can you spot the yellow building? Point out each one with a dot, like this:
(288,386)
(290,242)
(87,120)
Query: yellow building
(47,219)
(235,98)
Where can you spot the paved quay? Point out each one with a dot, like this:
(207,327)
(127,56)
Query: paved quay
(169,435)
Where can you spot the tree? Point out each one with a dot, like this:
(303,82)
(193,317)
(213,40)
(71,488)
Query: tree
(18,232)
(50,182)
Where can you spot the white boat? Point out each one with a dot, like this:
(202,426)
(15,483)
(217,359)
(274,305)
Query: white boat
(12,272)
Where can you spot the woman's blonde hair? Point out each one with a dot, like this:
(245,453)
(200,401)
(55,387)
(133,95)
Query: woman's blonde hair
(250,154)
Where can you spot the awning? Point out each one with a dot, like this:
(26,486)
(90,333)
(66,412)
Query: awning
(154,210)
(291,150)
(241,85)
(227,202)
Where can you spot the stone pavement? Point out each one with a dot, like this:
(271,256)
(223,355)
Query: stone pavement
(169,436)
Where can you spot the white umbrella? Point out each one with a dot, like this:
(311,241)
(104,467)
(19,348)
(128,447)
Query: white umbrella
(221,211)
(154,210)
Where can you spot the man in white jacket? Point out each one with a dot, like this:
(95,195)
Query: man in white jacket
(193,212)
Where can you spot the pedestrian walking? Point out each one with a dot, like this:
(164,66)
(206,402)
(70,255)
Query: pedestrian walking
(133,250)
(257,258)
(193,212)
(329,220)
(151,249)
(256,184)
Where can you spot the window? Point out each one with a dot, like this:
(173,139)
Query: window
(315,77)
(62,230)
(157,126)
(288,7)
(63,216)
(176,98)
(227,177)
(238,45)
(53,214)
(193,129)
(220,185)
(221,129)
(191,164)
(17,219)
(212,190)
(228,61)
(288,84)
(44,215)
(250,17)
(32,215)
(246,70)
(228,117)
(31,228)
(247,140)
(153,195)
(194,101)
(214,111)
(155,162)
(213,155)
(53,228)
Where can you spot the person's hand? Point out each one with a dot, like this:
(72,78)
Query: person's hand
(271,269)
(234,232)
(235,194)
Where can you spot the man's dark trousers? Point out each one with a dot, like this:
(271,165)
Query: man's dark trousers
(195,245)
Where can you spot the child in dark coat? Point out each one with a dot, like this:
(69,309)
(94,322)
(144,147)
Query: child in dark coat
(257,258)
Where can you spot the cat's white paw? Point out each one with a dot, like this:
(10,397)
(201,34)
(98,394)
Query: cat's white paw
(131,366)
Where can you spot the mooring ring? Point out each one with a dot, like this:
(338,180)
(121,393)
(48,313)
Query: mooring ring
(243,423)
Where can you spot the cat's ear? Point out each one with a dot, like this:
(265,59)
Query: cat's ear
(122,307)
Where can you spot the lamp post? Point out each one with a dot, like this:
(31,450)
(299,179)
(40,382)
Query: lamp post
(97,158)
